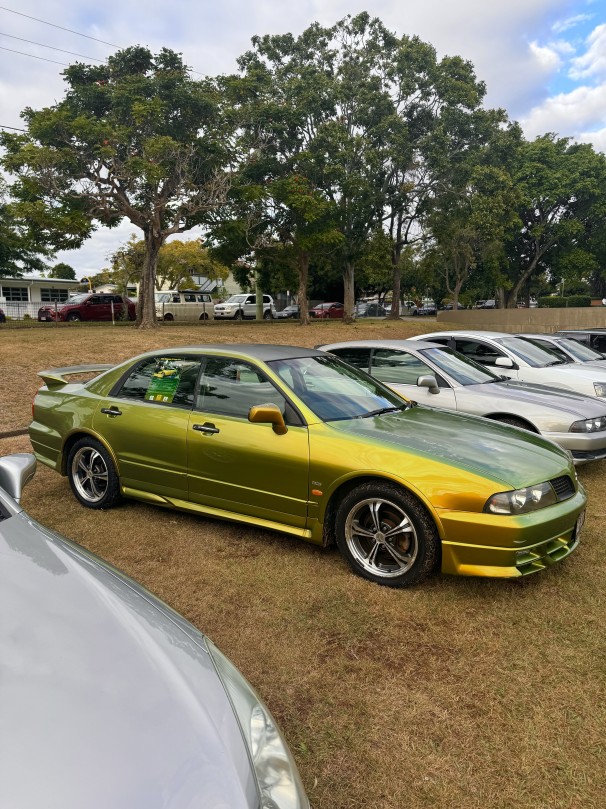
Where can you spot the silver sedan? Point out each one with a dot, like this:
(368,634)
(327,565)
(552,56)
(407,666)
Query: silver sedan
(440,377)
(110,700)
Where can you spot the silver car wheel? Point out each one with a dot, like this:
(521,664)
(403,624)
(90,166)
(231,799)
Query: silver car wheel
(89,474)
(381,537)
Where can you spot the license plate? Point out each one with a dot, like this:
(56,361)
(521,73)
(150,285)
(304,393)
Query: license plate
(579,525)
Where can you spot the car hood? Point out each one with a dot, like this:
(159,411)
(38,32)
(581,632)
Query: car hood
(513,457)
(561,399)
(108,698)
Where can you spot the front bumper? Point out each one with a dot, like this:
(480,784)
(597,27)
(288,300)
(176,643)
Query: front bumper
(584,447)
(507,546)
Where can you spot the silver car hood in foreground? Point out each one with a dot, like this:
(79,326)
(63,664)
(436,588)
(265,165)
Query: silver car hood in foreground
(108,699)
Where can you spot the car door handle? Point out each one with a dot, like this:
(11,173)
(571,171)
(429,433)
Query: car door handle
(111,411)
(207,428)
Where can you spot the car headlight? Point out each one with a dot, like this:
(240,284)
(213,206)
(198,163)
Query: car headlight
(589,425)
(599,388)
(522,501)
(279,782)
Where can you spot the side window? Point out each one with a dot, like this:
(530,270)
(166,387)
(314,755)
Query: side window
(165,379)
(176,298)
(117,298)
(189,297)
(203,298)
(231,387)
(358,357)
(480,352)
(551,347)
(94,299)
(266,299)
(398,367)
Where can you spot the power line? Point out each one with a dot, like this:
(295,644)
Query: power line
(31,55)
(16,128)
(42,45)
(44,22)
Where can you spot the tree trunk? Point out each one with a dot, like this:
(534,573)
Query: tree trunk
(348,292)
(396,285)
(146,305)
(303,270)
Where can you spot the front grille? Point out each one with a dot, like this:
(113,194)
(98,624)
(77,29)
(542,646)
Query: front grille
(563,487)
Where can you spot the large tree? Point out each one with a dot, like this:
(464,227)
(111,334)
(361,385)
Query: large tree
(134,138)
(562,187)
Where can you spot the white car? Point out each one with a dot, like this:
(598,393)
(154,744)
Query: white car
(520,359)
(567,349)
(244,306)
(439,377)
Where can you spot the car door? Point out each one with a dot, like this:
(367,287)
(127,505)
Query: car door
(237,466)
(145,421)
(401,370)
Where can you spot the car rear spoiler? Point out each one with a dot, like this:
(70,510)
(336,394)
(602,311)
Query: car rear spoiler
(54,378)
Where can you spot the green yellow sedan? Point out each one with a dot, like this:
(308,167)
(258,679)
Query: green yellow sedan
(296,440)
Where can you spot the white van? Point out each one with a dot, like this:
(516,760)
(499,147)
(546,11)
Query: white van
(184,306)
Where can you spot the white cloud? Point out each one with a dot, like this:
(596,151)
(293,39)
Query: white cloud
(593,61)
(569,114)
(548,58)
(570,22)
(596,138)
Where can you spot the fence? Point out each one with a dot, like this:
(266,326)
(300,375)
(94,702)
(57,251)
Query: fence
(23,310)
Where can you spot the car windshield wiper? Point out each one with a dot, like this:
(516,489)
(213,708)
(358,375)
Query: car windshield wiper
(381,411)
(488,381)
(556,362)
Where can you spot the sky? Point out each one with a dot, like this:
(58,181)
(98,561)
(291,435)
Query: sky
(543,61)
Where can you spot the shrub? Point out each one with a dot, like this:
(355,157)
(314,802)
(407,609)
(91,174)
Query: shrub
(556,302)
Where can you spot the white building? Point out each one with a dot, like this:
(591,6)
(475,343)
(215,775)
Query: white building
(24,296)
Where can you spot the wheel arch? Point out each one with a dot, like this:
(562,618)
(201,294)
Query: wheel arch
(72,438)
(528,425)
(343,487)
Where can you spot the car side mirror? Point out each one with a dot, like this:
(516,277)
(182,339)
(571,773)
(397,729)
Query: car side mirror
(504,362)
(268,414)
(430,382)
(15,472)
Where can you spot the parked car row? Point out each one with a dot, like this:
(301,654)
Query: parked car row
(239,431)
(89,306)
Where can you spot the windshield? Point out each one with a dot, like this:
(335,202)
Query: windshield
(462,369)
(335,391)
(163,297)
(77,298)
(533,355)
(580,351)
(236,299)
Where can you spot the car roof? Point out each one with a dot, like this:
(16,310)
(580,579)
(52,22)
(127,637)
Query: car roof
(466,333)
(258,351)
(413,344)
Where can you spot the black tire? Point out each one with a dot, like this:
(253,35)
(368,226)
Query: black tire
(364,519)
(267,314)
(514,422)
(415,313)
(203,316)
(168,317)
(92,475)
(238,315)
(73,316)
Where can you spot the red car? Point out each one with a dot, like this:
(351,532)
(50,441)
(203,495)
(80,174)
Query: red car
(326,310)
(88,306)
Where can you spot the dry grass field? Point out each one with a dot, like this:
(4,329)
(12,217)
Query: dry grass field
(458,693)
